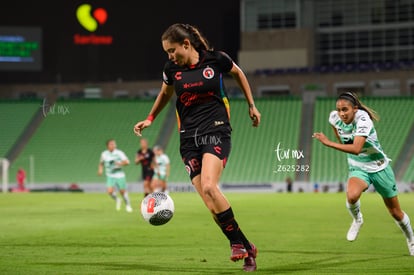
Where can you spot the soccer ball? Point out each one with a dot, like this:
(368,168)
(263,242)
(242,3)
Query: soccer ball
(157,208)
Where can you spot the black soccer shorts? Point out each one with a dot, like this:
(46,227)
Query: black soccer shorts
(192,150)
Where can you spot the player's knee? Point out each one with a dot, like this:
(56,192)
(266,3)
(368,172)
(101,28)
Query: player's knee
(209,189)
(353,196)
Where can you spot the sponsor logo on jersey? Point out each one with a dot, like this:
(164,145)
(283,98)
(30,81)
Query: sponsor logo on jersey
(362,130)
(178,75)
(189,99)
(194,84)
(188,169)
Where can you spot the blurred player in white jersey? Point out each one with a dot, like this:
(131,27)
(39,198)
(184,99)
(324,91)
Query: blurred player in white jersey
(113,159)
(353,125)
(161,169)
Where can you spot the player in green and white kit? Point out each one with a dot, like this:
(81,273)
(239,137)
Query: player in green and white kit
(161,169)
(112,160)
(368,164)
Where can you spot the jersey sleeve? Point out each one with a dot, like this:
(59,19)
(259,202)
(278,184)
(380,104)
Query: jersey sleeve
(101,159)
(363,124)
(123,156)
(333,118)
(225,61)
(166,74)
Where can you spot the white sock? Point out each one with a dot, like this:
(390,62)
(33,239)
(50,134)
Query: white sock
(126,198)
(405,226)
(354,210)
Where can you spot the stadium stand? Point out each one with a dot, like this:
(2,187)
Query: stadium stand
(67,145)
(339,68)
(253,158)
(14,116)
(409,174)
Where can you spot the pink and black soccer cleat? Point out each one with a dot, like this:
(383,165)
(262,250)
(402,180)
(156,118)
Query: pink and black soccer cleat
(238,252)
(249,261)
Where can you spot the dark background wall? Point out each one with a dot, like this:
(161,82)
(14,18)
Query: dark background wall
(136,28)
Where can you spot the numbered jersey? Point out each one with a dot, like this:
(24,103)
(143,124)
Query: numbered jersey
(109,160)
(371,158)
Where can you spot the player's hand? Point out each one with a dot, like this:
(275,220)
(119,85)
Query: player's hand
(321,137)
(141,126)
(254,116)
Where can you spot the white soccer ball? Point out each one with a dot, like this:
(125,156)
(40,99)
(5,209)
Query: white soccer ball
(157,208)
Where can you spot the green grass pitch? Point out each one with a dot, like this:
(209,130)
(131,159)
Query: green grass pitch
(82,233)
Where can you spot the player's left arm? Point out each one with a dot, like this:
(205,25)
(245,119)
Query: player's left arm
(244,85)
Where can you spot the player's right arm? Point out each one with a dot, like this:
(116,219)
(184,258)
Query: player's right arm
(333,119)
(336,134)
(100,169)
(160,102)
(138,158)
(101,165)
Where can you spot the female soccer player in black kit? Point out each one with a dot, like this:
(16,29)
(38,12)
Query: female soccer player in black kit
(195,73)
(145,157)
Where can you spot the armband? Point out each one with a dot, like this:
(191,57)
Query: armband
(151,118)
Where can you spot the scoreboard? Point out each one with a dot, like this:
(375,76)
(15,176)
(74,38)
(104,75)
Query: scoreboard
(20,49)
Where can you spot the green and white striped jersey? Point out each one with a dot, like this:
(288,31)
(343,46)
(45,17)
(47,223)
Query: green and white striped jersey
(371,158)
(109,159)
(162,161)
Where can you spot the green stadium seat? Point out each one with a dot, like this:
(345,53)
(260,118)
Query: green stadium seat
(66,147)
(14,118)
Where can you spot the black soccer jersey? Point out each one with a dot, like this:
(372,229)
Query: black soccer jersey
(202,105)
(146,162)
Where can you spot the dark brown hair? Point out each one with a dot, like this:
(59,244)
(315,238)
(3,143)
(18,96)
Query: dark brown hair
(353,98)
(176,33)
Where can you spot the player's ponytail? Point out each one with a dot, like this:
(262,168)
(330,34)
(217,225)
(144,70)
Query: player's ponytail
(176,33)
(353,98)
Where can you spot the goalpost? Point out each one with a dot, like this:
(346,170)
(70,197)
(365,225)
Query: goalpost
(4,164)
(5,171)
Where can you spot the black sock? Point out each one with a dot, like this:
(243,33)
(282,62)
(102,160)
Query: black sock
(229,226)
(245,241)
